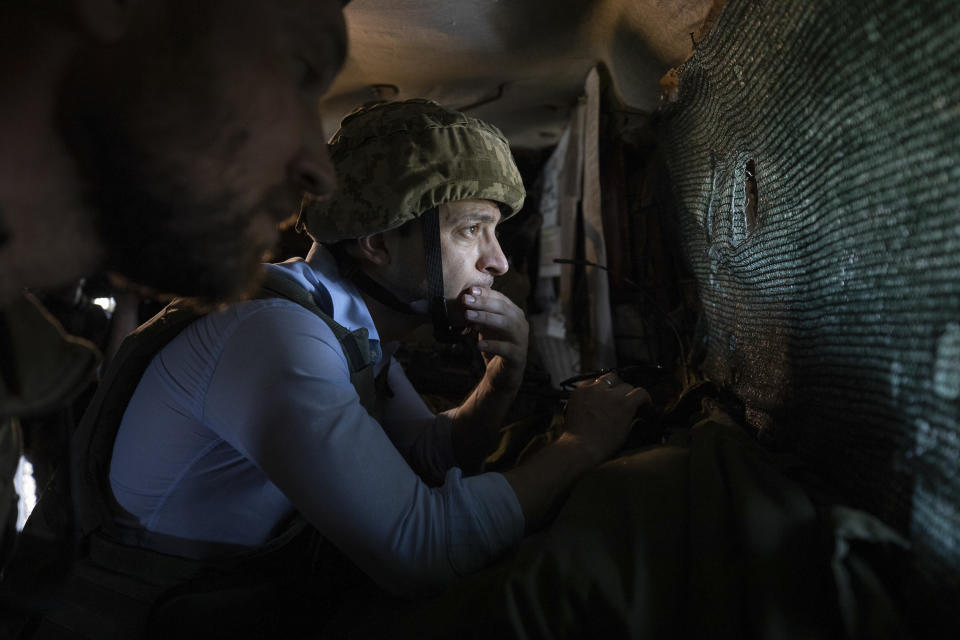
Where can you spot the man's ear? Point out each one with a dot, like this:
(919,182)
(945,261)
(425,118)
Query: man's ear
(374,249)
(105,20)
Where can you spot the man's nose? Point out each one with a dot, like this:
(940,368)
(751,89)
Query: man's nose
(313,172)
(311,168)
(492,259)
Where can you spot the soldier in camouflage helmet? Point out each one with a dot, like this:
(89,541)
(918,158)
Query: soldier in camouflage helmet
(398,160)
(292,403)
(416,160)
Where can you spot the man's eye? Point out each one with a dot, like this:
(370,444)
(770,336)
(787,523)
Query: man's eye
(472,230)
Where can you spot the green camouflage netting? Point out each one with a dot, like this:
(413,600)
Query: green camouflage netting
(834,310)
(397,160)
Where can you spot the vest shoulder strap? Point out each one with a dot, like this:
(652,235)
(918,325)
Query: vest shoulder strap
(355,344)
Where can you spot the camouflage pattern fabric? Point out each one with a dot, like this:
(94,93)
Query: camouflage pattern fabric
(397,160)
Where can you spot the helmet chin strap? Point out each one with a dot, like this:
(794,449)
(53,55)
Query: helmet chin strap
(443,329)
(378,292)
(436,304)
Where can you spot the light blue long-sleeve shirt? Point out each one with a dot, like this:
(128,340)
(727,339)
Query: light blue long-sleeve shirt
(249,414)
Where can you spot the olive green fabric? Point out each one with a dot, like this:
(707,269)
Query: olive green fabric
(705,537)
(43,367)
(397,160)
(834,311)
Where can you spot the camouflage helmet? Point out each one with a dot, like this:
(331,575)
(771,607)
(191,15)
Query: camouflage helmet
(397,160)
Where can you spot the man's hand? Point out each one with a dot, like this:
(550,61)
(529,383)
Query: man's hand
(600,414)
(503,335)
(503,343)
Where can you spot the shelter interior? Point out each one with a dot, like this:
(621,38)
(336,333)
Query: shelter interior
(752,201)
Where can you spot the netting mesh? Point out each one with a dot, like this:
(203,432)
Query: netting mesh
(833,309)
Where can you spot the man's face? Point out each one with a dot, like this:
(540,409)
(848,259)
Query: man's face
(199,131)
(471,251)
(468,242)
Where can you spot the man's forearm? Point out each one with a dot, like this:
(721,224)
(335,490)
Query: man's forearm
(598,418)
(475,429)
(545,479)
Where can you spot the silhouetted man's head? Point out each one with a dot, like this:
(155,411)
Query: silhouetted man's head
(195,129)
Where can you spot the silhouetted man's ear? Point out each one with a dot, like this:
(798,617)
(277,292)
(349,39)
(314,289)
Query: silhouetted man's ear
(374,249)
(105,20)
